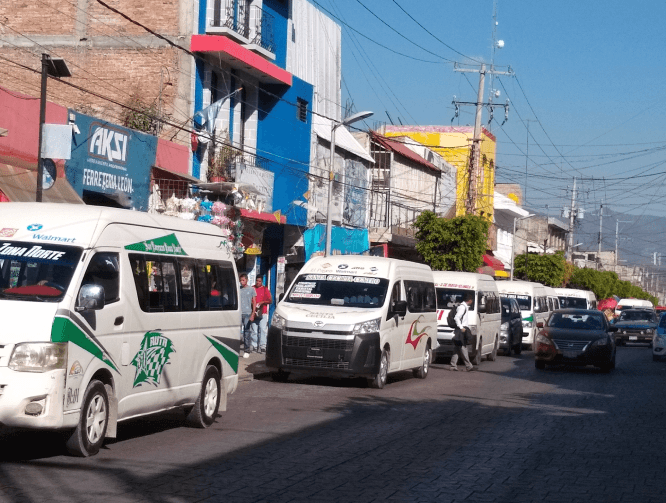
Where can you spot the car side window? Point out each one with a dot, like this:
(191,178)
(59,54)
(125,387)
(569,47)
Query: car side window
(104,270)
(395,296)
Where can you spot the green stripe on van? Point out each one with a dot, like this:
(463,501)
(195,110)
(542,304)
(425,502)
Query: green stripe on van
(529,318)
(227,354)
(64,330)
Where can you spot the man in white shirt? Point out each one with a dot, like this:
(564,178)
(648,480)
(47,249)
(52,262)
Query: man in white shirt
(462,326)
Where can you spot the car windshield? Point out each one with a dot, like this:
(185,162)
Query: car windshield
(448,297)
(640,316)
(572,303)
(524,301)
(338,290)
(576,321)
(36,272)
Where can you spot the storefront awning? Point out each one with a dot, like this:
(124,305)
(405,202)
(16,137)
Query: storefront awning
(20,185)
(494,265)
(159,172)
(271,218)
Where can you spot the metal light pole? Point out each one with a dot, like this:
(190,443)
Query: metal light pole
(513,242)
(329,214)
(55,67)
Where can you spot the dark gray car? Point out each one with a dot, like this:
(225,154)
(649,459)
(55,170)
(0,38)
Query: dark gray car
(511,329)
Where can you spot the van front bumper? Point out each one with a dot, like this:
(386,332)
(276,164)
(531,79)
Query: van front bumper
(359,356)
(19,389)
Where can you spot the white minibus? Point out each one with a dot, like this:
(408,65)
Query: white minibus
(533,303)
(484,315)
(355,316)
(572,298)
(553,299)
(110,314)
(632,304)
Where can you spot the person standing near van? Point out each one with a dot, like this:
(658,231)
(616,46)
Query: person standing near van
(260,323)
(248,303)
(461,332)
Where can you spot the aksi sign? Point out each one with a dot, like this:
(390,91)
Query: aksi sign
(106,142)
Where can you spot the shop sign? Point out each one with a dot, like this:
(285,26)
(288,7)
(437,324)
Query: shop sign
(111,160)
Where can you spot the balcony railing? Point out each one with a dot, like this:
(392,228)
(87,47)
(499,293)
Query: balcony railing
(232,14)
(262,28)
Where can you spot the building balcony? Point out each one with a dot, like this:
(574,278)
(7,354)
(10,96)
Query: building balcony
(247,24)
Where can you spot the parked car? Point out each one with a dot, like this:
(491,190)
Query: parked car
(511,329)
(575,336)
(635,325)
(659,341)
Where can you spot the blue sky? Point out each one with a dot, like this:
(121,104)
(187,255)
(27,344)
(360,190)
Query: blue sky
(592,73)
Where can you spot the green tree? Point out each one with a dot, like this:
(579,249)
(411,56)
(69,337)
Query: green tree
(457,244)
(547,269)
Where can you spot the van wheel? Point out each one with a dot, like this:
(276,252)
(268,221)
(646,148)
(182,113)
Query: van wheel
(422,371)
(493,354)
(477,357)
(518,348)
(379,381)
(280,376)
(540,364)
(205,408)
(89,434)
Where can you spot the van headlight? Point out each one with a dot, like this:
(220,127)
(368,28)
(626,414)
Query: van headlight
(367,327)
(278,321)
(38,356)
(528,324)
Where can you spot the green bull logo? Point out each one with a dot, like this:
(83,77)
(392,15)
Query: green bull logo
(151,358)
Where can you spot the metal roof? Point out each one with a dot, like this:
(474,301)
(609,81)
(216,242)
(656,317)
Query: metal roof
(400,148)
(343,138)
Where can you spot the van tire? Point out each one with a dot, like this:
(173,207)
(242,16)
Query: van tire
(422,371)
(89,434)
(205,408)
(477,357)
(379,381)
(493,354)
(518,346)
(540,364)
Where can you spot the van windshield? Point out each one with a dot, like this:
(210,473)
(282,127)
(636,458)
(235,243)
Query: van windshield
(36,272)
(448,297)
(573,303)
(338,290)
(524,301)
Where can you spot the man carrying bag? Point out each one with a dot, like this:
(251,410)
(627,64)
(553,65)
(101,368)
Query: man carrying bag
(462,334)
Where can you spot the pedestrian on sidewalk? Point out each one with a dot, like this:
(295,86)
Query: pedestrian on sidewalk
(260,323)
(248,302)
(462,333)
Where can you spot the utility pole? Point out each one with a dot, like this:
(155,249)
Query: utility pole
(617,234)
(572,214)
(601,218)
(475,157)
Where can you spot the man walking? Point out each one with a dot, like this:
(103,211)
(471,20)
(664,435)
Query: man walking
(461,333)
(260,323)
(248,303)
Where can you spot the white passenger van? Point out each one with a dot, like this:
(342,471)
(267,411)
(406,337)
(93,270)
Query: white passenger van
(484,315)
(632,304)
(571,298)
(110,314)
(355,316)
(552,298)
(533,303)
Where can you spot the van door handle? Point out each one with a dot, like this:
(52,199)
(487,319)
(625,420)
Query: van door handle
(119,320)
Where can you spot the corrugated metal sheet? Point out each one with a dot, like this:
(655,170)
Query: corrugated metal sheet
(20,185)
(343,138)
(314,54)
(401,149)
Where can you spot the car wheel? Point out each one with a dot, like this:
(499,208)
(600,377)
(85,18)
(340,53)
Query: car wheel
(205,408)
(379,381)
(540,364)
(280,376)
(518,348)
(493,354)
(422,371)
(477,357)
(89,434)
(655,358)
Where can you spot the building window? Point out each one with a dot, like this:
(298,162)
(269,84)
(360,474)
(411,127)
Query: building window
(302,110)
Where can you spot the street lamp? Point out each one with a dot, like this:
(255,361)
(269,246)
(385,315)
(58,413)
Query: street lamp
(513,242)
(55,67)
(329,215)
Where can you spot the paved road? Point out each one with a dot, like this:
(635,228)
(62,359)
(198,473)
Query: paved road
(507,433)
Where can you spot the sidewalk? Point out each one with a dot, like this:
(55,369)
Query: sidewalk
(253,366)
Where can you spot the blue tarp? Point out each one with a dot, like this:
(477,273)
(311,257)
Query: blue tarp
(343,241)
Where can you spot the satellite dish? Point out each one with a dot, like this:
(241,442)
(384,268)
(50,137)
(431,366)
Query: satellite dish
(500,44)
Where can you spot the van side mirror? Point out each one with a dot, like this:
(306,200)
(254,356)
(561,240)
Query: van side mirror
(91,298)
(481,308)
(540,324)
(280,297)
(400,307)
